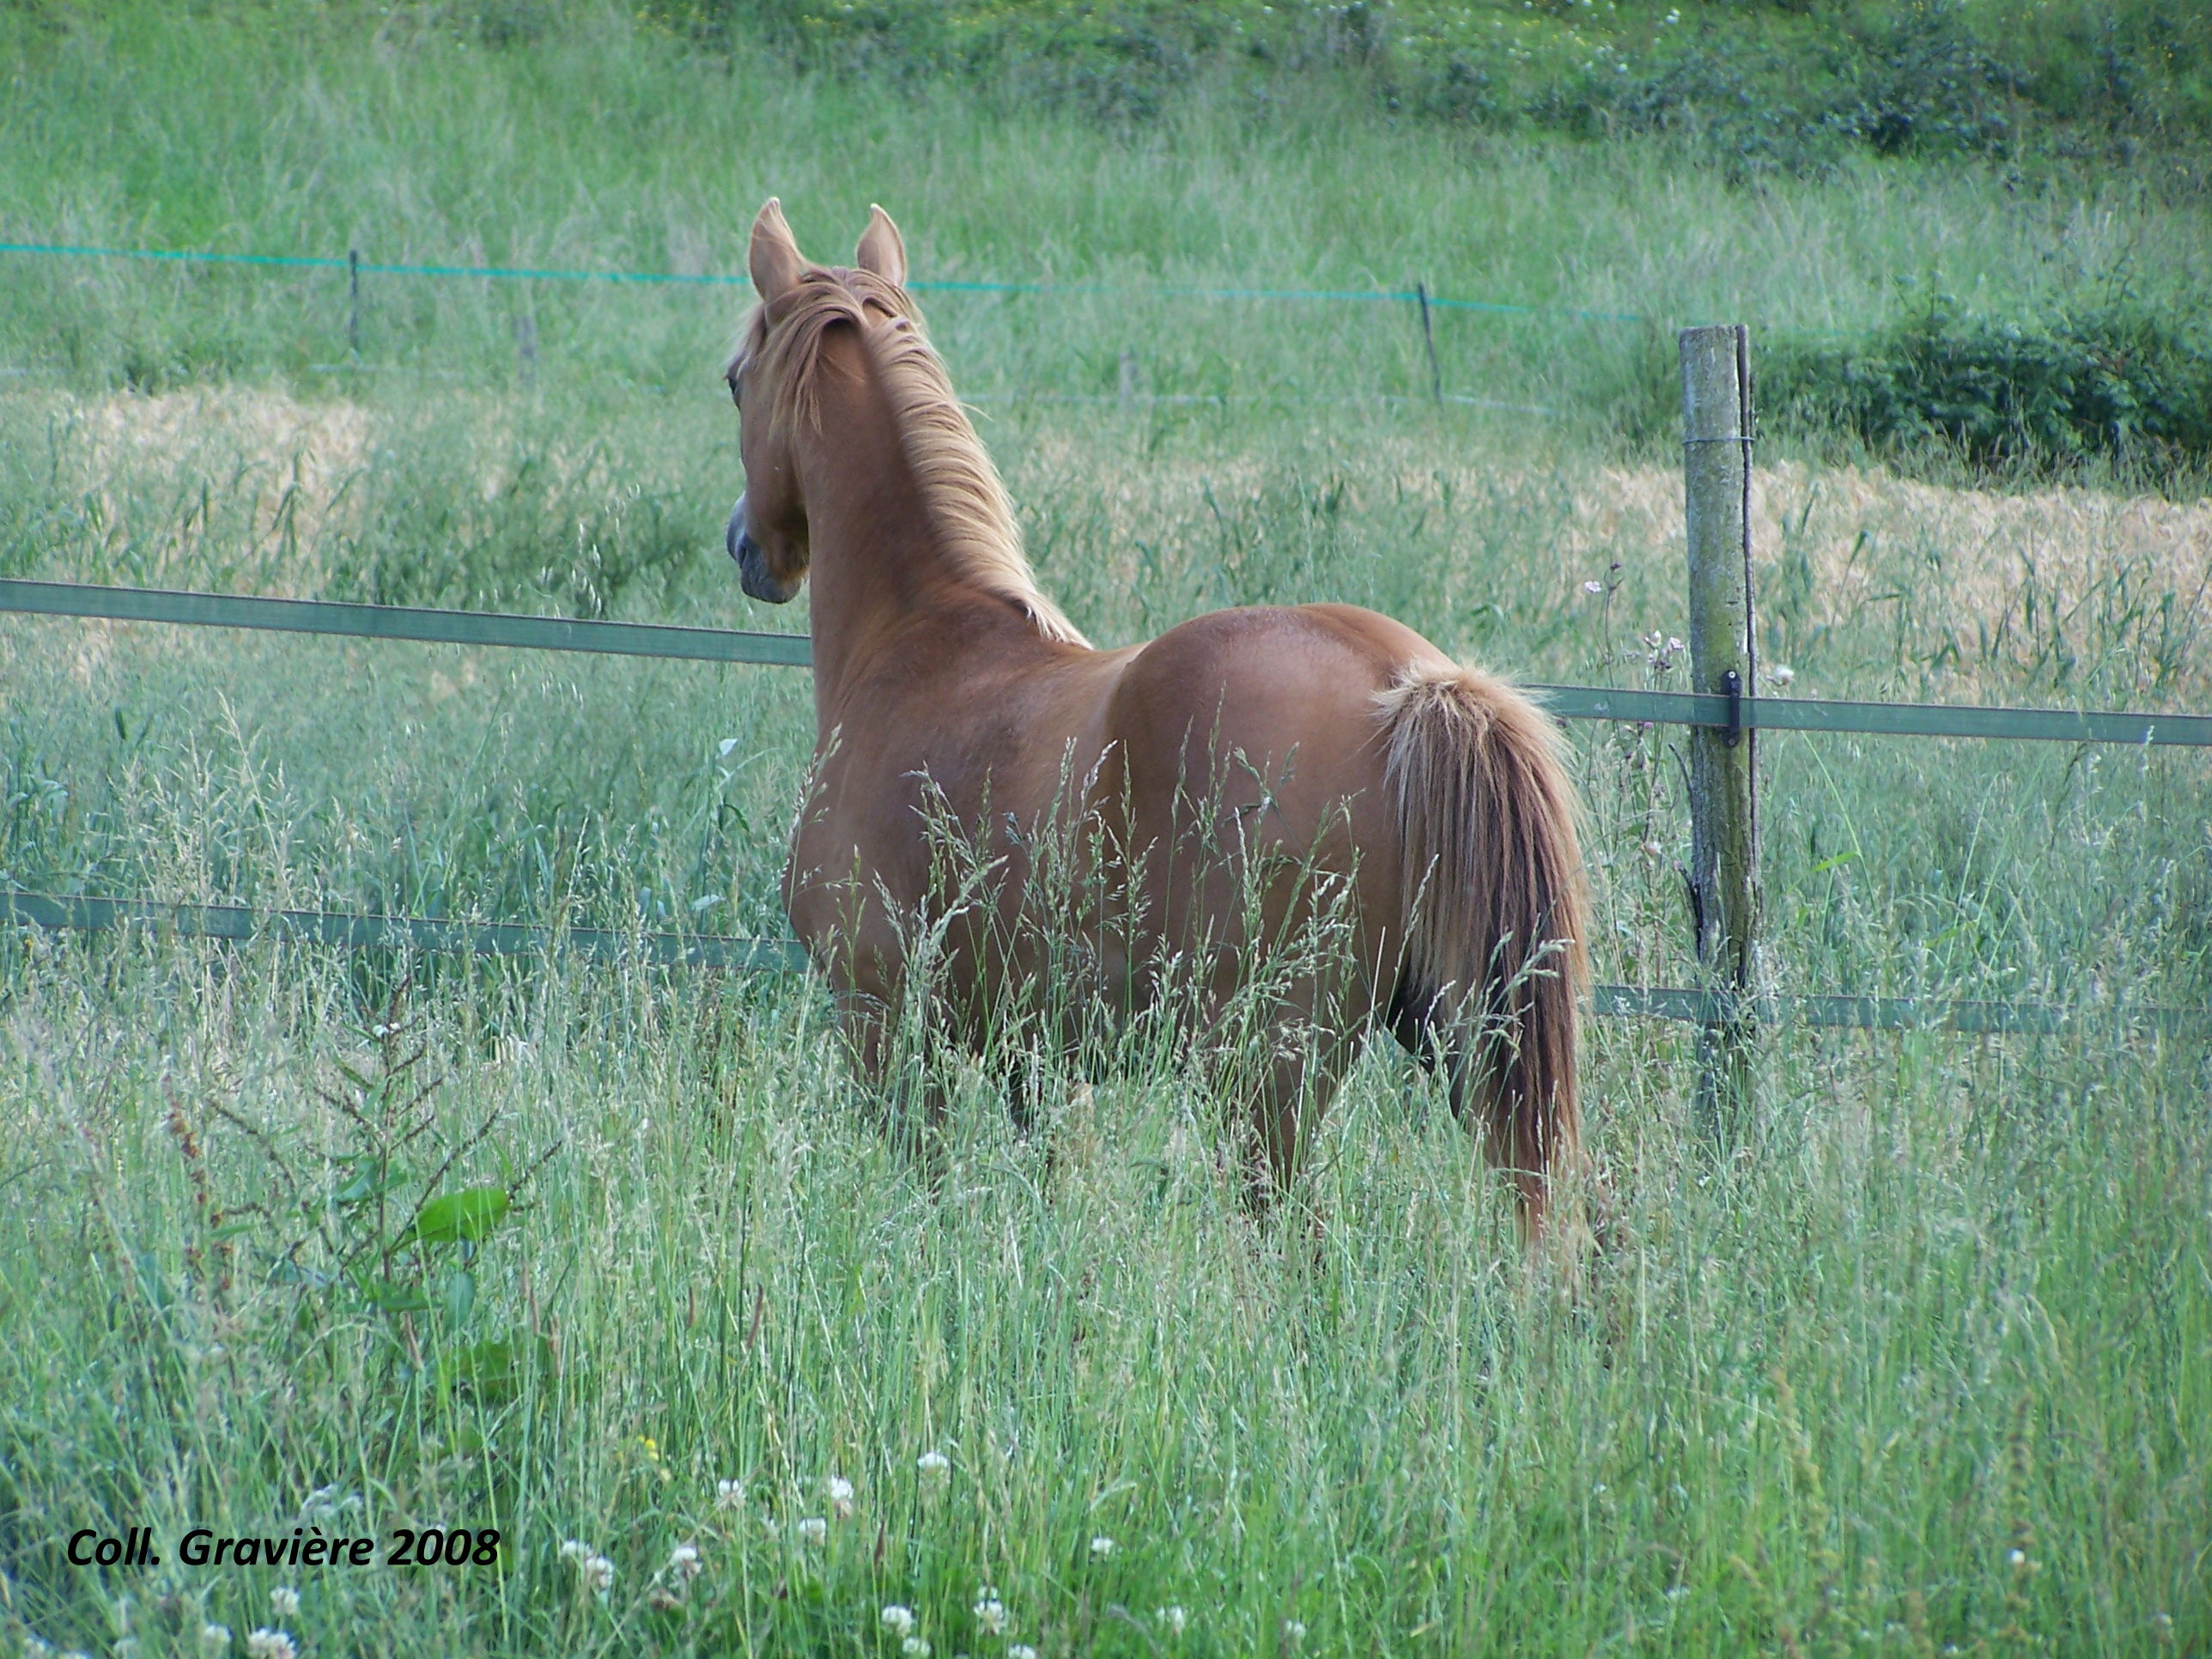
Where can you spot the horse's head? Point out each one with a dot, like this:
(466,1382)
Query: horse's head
(767,533)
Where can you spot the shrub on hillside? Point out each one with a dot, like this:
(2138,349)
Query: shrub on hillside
(2120,381)
(1768,84)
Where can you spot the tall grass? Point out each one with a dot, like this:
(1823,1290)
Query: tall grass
(1925,1366)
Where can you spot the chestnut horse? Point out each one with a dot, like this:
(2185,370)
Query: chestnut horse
(1242,775)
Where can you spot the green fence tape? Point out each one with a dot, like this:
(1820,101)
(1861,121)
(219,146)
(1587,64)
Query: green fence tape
(385,622)
(1888,1013)
(1897,720)
(393,622)
(444,938)
(240,923)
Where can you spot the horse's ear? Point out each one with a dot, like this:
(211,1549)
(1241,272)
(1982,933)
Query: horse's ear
(882,249)
(775,262)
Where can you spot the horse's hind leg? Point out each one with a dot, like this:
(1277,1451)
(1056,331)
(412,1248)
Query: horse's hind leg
(1280,1079)
(897,1071)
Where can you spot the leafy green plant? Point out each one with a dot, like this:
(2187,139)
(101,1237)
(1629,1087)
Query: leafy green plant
(382,1232)
(2120,381)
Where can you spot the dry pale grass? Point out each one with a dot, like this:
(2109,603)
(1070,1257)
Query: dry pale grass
(1991,584)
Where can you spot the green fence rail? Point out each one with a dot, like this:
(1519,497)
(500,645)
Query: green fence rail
(384,621)
(376,622)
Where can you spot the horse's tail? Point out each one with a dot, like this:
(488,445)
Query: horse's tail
(1495,913)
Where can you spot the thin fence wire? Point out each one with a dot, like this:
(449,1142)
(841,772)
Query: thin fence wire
(441,935)
(709,279)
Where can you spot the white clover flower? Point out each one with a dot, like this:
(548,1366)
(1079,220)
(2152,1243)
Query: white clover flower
(935,1468)
(729,1494)
(2018,1558)
(1293,1632)
(990,1613)
(215,1639)
(284,1601)
(914,1647)
(1593,587)
(814,1530)
(574,1549)
(1174,1618)
(840,1492)
(1101,1548)
(684,1561)
(266,1643)
(599,1573)
(1020,1651)
(898,1620)
(1782,673)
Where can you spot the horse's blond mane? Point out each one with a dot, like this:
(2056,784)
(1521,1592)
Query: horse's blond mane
(961,489)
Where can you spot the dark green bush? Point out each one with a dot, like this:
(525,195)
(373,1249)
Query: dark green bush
(2119,380)
(1768,85)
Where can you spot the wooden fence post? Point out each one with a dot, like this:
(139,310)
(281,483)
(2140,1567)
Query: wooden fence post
(1429,340)
(1724,876)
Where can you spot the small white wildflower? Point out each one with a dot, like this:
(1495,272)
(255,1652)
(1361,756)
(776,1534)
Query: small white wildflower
(935,1468)
(840,1492)
(266,1643)
(600,1574)
(2019,1559)
(990,1613)
(1293,1632)
(814,1530)
(215,1639)
(1174,1618)
(1652,850)
(1593,587)
(1782,673)
(914,1647)
(898,1620)
(574,1549)
(1101,1548)
(684,1561)
(729,1494)
(1020,1651)
(284,1601)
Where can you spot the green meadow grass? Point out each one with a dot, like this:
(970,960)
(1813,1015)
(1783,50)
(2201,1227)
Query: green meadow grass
(1925,1364)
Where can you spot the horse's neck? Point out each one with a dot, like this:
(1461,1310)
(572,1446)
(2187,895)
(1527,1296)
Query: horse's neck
(876,568)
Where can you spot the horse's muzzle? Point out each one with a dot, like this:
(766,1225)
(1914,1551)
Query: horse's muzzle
(752,564)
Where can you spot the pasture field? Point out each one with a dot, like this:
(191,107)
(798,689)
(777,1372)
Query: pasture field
(1924,1365)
